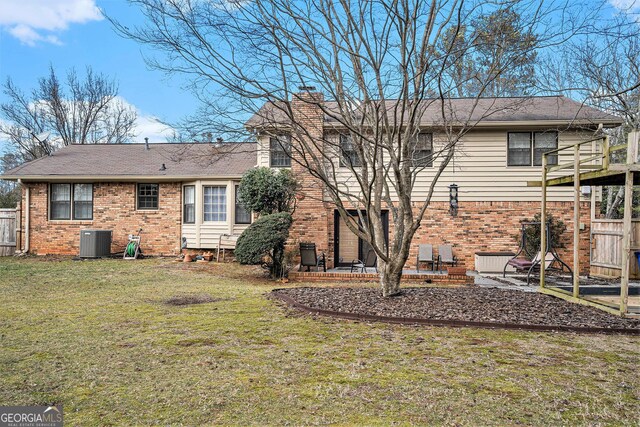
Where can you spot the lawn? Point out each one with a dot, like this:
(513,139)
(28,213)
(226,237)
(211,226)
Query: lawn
(99,338)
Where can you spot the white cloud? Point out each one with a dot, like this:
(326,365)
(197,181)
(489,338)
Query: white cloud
(625,4)
(631,7)
(147,125)
(28,36)
(33,21)
(151,127)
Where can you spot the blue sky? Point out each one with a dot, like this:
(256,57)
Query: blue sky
(73,33)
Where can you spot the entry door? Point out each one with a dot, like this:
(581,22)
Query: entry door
(348,246)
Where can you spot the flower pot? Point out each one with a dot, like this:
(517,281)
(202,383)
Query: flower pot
(188,258)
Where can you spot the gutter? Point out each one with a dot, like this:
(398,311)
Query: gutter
(117,178)
(486,124)
(27,215)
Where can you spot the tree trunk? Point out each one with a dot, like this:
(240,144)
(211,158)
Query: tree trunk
(390,274)
(613,205)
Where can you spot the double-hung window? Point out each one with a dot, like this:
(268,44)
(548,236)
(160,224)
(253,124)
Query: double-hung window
(82,201)
(71,201)
(526,148)
(215,203)
(189,204)
(148,196)
(421,150)
(280,149)
(348,155)
(242,214)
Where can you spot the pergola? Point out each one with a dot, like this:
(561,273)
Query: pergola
(591,165)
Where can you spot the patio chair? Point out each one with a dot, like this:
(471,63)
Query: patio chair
(370,261)
(425,254)
(309,257)
(445,256)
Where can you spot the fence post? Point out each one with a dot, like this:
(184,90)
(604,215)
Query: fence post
(632,157)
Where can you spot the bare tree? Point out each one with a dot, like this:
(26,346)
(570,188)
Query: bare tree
(9,191)
(493,53)
(603,69)
(85,111)
(384,65)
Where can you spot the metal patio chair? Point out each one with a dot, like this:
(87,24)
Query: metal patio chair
(370,261)
(425,254)
(309,257)
(445,256)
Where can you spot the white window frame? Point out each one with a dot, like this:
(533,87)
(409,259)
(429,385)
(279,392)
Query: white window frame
(221,214)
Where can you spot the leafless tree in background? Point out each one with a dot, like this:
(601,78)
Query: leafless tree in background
(82,111)
(382,64)
(603,69)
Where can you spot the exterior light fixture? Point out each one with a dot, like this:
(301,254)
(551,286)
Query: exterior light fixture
(453,200)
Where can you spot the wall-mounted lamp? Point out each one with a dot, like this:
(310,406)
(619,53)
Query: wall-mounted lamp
(453,200)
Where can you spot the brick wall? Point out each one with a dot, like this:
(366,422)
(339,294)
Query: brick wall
(312,217)
(114,208)
(479,226)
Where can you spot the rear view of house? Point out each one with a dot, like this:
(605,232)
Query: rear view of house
(190,190)
(495,159)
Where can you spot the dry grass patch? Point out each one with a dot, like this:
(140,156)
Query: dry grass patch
(189,299)
(98,338)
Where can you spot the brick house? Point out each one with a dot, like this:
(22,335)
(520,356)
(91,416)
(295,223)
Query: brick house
(497,158)
(130,186)
(189,190)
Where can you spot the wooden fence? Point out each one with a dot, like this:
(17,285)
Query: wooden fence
(7,232)
(606,248)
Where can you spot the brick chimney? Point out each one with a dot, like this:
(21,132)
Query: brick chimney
(312,214)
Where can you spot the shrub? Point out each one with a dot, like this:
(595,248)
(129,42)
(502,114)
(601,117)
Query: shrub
(263,243)
(266,191)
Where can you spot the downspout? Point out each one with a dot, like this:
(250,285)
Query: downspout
(27,214)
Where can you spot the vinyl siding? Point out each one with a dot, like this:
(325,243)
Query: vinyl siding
(480,169)
(206,234)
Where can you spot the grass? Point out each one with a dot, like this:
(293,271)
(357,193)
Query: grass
(100,338)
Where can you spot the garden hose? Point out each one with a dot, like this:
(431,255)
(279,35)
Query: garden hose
(131,249)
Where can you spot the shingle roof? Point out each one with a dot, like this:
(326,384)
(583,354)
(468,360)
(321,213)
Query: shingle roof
(134,161)
(485,111)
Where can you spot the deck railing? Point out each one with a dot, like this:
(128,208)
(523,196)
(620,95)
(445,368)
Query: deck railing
(599,165)
(601,155)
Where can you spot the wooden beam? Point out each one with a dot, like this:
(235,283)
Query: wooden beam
(624,168)
(576,221)
(569,297)
(632,157)
(568,180)
(626,243)
(606,153)
(543,222)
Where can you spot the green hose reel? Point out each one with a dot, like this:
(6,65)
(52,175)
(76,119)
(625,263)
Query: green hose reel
(131,249)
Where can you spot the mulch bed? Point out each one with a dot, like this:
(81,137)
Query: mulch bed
(457,306)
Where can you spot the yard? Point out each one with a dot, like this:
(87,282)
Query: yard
(100,338)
